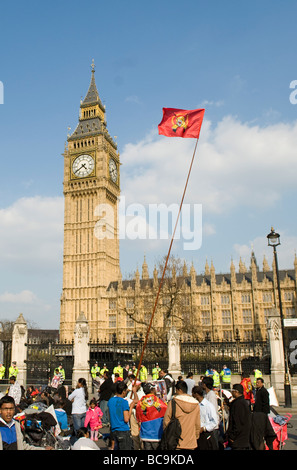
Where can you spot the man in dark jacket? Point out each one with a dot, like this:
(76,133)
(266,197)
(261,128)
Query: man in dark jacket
(106,391)
(262,433)
(239,428)
(262,402)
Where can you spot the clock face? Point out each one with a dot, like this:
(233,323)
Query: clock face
(113,171)
(83,166)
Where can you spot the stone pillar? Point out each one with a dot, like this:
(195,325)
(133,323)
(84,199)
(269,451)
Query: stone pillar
(19,348)
(276,353)
(174,367)
(81,351)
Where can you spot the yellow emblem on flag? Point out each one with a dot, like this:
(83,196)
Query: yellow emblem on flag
(180,121)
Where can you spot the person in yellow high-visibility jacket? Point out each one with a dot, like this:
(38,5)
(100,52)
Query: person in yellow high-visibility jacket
(143,373)
(155,372)
(104,369)
(257,375)
(226,377)
(94,370)
(119,370)
(62,372)
(216,378)
(2,371)
(13,370)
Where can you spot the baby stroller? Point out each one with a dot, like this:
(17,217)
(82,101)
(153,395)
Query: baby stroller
(280,424)
(39,429)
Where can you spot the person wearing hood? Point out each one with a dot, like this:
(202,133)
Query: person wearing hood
(188,414)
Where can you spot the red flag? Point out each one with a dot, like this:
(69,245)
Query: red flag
(181,122)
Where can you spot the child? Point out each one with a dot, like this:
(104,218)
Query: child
(93,418)
(61,415)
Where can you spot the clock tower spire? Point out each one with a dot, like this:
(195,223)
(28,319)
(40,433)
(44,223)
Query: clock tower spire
(91,242)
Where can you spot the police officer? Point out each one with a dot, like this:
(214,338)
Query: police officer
(216,378)
(119,370)
(104,369)
(94,370)
(257,374)
(155,372)
(143,373)
(2,371)
(208,372)
(13,370)
(62,372)
(226,377)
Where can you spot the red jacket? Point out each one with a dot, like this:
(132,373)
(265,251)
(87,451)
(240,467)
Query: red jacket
(248,389)
(93,417)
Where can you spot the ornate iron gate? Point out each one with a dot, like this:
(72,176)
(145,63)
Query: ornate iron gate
(195,356)
(42,359)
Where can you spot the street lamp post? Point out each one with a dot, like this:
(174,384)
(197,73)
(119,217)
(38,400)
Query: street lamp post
(274,241)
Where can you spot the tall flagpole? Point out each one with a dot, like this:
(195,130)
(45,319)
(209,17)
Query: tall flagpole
(165,266)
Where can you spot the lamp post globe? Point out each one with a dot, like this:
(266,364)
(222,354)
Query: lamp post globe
(273,238)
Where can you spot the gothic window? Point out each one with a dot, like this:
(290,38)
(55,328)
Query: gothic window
(205,300)
(226,317)
(267,313)
(225,299)
(129,322)
(205,317)
(112,321)
(112,305)
(227,335)
(130,303)
(290,312)
(267,297)
(289,296)
(248,335)
(245,298)
(247,316)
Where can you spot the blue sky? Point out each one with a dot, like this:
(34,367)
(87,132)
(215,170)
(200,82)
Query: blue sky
(235,59)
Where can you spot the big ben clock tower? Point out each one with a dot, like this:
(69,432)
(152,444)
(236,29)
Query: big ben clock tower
(91,242)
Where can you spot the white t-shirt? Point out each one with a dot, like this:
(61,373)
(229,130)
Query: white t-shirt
(190,384)
(79,405)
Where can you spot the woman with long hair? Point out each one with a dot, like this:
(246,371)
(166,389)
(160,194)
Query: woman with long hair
(79,399)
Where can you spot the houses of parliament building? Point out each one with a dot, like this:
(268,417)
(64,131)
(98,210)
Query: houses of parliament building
(219,306)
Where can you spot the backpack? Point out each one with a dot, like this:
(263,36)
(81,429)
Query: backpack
(172,432)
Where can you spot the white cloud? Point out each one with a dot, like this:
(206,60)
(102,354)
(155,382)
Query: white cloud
(236,165)
(285,252)
(31,257)
(32,232)
(25,296)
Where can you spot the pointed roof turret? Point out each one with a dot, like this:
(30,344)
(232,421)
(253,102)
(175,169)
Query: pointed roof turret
(266,267)
(254,261)
(92,97)
(92,120)
(185,269)
(145,272)
(207,270)
(242,268)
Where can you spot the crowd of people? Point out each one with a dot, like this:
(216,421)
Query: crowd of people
(132,411)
